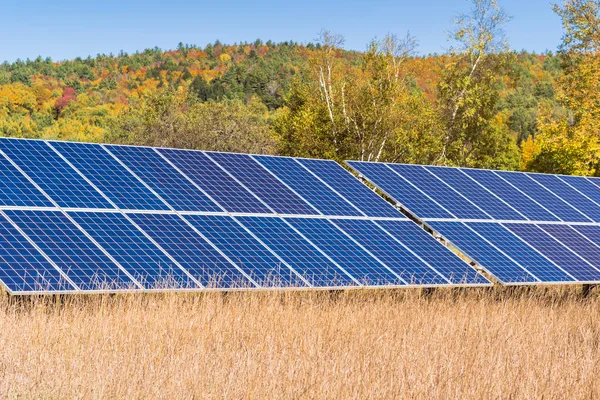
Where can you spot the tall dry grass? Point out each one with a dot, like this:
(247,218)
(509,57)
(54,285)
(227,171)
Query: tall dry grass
(473,344)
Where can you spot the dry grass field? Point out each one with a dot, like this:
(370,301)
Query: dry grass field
(467,344)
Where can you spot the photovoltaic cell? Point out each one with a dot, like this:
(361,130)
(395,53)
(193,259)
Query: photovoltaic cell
(260,182)
(349,187)
(568,194)
(74,253)
(592,232)
(400,190)
(124,189)
(510,194)
(538,193)
(519,251)
(135,252)
(61,182)
(477,194)
(16,190)
(247,252)
(344,251)
(191,251)
(405,264)
(214,181)
(22,267)
(555,251)
(576,242)
(438,190)
(494,261)
(165,180)
(439,257)
(583,185)
(317,269)
(308,186)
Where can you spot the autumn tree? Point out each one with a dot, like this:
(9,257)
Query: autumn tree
(569,142)
(468,92)
(369,113)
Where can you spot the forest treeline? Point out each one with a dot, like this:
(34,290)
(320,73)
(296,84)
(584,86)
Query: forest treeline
(478,105)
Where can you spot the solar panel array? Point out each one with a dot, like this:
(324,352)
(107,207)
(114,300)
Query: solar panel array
(522,228)
(91,217)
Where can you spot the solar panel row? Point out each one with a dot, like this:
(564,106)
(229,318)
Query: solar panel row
(521,227)
(77,216)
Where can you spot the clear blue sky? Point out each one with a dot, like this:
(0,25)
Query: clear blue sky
(64,29)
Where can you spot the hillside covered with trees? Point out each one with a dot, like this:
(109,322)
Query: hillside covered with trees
(479,105)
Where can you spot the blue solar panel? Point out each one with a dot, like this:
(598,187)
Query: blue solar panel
(317,269)
(22,267)
(439,257)
(308,186)
(61,182)
(471,190)
(576,242)
(138,255)
(494,261)
(165,180)
(345,252)
(555,251)
(247,252)
(405,264)
(568,194)
(592,232)
(400,190)
(74,253)
(259,181)
(191,251)
(214,181)
(349,187)
(538,193)
(510,195)
(584,186)
(438,190)
(519,251)
(125,190)
(16,190)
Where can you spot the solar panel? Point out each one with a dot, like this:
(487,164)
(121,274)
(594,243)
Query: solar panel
(17,190)
(576,242)
(510,194)
(401,190)
(474,192)
(345,252)
(90,217)
(554,250)
(584,186)
(568,194)
(344,183)
(215,181)
(307,185)
(164,179)
(525,255)
(455,270)
(50,172)
(125,190)
(203,261)
(435,188)
(398,258)
(495,261)
(307,260)
(541,195)
(257,261)
(71,250)
(23,268)
(134,251)
(263,184)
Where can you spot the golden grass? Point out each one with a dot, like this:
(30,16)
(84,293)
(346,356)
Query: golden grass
(396,344)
